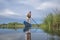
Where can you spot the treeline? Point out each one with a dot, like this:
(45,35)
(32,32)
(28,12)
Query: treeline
(13,25)
(51,24)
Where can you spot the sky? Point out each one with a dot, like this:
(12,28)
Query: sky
(16,10)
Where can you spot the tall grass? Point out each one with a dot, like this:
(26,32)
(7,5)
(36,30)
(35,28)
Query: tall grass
(51,24)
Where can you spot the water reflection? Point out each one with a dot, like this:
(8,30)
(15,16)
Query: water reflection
(37,34)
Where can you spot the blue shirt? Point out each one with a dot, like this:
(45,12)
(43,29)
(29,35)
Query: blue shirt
(27,26)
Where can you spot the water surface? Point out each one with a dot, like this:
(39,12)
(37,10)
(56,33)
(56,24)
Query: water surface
(36,34)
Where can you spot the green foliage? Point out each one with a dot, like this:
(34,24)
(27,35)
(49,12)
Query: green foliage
(51,24)
(13,25)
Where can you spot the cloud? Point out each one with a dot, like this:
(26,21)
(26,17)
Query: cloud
(17,9)
(7,12)
(42,4)
(33,3)
(10,14)
(48,5)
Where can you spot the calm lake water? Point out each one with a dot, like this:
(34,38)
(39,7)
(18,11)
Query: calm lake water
(36,34)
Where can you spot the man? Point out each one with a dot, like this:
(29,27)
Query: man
(27,23)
